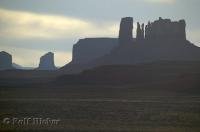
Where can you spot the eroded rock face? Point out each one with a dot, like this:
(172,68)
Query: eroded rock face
(47,62)
(5,61)
(165,29)
(126,31)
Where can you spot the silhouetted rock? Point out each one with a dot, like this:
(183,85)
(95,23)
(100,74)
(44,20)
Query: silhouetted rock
(147,31)
(5,61)
(164,40)
(89,49)
(166,29)
(47,62)
(126,31)
(140,32)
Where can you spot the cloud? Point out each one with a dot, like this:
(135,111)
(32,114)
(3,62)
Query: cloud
(162,1)
(62,58)
(25,25)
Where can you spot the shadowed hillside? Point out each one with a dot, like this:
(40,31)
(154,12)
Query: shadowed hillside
(162,73)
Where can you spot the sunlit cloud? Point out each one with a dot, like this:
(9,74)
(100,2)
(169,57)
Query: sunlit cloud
(62,58)
(194,36)
(162,1)
(20,24)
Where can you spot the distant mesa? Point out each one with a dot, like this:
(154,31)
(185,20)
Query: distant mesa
(47,62)
(161,40)
(89,49)
(5,61)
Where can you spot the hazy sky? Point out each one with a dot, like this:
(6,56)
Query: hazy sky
(30,28)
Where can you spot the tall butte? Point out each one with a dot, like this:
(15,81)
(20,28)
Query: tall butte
(126,31)
(47,62)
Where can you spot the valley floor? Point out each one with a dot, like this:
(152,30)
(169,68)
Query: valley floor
(101,108)
(157,97)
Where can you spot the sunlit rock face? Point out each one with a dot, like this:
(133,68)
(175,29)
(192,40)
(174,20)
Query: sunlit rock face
(47,62)
(5,61)
(126,31)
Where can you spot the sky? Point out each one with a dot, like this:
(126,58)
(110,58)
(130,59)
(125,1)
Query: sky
(31,28)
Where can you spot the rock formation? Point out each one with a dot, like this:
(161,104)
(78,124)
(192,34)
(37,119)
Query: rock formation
(148,31)
(161,40)
(5,61)
(89,49)
(140,32)
(164,40)
(126,31)
(166,29)
(47,62)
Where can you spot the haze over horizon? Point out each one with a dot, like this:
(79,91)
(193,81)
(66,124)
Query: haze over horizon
(29,29)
